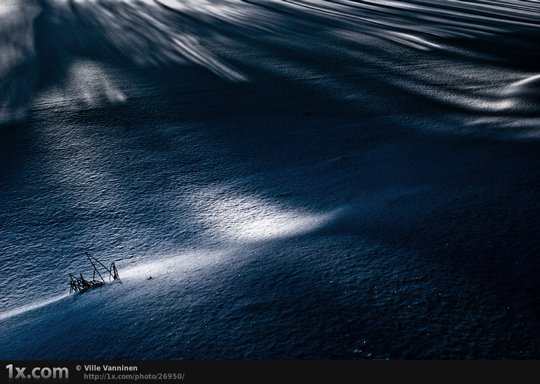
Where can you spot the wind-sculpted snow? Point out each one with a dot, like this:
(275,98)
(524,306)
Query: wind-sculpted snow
(464,55)
(17,59)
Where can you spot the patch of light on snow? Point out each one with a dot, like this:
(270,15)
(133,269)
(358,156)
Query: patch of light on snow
(88,85)
(246,218)
(173,264)
(30,307)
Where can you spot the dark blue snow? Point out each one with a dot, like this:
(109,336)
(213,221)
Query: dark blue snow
(301,179)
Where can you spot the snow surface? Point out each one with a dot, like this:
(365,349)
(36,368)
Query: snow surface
(301,179)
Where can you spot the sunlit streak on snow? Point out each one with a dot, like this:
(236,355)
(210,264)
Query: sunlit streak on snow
(30,307)
(88,85)
(245,218)
(166,265)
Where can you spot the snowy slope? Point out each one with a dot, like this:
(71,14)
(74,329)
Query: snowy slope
(301,179)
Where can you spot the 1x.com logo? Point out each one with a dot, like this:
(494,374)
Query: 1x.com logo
(36,373)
